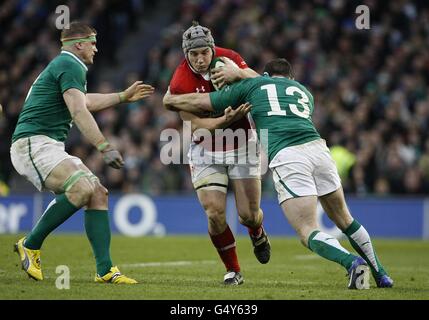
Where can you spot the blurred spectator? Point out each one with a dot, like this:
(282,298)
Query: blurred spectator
(370,86)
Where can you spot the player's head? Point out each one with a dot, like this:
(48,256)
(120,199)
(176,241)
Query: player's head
(198,47)
(80,38)
(279,67)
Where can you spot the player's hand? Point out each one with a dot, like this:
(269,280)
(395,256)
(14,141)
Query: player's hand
(112,158)
(137,91)
(232,115)
(226,74)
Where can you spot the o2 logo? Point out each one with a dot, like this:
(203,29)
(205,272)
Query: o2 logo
(147,223)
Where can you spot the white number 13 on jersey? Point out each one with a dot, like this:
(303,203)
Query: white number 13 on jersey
(290,91)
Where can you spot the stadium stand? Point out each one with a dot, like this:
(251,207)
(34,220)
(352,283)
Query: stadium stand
(370,86)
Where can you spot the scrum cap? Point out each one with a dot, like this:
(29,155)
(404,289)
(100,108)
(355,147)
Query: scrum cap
(196,37)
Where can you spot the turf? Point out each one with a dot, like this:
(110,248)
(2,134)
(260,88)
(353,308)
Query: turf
(187,267)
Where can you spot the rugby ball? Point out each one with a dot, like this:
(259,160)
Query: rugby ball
(218,63)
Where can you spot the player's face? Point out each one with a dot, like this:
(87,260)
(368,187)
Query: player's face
(200,58)
(88,52)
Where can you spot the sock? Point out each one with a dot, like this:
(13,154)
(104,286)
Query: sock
(329,248)
(98,232)
(361,242)
(255,232)
(58,211)
(225,245)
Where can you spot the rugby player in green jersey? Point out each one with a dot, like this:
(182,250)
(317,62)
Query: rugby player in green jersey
(303,169)
(58,98)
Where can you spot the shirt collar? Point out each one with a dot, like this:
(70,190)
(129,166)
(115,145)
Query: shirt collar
(76,58)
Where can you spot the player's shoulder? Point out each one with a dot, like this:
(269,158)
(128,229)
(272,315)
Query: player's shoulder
(183,79)
(246,84)
(231,54)
(67,61)
(182,70)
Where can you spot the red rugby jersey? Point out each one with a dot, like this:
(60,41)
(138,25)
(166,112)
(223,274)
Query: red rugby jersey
(185,80)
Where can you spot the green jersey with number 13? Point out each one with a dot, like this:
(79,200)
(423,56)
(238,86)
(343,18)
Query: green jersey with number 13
(281,108)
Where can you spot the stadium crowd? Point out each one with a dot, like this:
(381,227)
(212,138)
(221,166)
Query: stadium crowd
(370,86)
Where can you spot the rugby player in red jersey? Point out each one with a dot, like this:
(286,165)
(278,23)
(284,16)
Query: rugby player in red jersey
(212,161)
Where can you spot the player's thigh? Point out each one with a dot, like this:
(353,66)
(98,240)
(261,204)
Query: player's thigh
(246,183)
(301,214)
(43,161)
(293,174)
(247,194)
(209,177)
(67,176)
(325,170)
(212,201)
(211,184)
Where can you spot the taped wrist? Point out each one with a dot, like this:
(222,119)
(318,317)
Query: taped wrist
(102,146)
(122,97)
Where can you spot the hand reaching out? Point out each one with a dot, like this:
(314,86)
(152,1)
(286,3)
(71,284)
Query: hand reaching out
(137,91)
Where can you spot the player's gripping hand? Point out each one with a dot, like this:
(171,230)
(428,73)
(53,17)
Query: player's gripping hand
(137,91)
(229,73)
(232,115)
(112,158)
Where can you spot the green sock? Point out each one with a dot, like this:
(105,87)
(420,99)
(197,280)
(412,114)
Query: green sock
(329,248)
(361,242)
(58,211)
(98,232)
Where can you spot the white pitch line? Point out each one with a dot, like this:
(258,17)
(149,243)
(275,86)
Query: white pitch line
(166,264)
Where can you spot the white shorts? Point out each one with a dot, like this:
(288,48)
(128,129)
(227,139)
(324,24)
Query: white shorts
(211,170)
(35,157)
(304,170)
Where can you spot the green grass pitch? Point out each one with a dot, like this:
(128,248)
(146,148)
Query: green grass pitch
(188,267)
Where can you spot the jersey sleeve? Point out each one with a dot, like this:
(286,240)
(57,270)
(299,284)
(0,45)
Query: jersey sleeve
(70,76)
(180,82)
(175,86)
(231,95)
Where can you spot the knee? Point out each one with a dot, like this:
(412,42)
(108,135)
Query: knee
(250,215)
(81,192)
(215,213)
(99,197)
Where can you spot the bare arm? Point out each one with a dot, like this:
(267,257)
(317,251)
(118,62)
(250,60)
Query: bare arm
(191,102)
(99,101)
(248,73)
(75,101)
(231,115)
(230,73)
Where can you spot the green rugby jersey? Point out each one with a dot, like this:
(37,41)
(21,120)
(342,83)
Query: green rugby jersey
(45,111)
(281,106)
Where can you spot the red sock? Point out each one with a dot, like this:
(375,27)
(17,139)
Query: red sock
(255,233)
(225,245)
